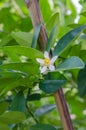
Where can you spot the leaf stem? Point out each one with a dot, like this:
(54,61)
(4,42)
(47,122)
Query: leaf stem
(31,113)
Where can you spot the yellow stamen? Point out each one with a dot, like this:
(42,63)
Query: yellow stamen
(46,61)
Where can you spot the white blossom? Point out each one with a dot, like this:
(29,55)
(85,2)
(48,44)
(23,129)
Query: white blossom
(46,64)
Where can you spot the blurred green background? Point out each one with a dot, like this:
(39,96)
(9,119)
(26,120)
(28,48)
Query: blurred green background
(16,29)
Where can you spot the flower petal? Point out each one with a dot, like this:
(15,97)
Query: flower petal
(44,69)
(52,67)
(46,55)
(53,59)
(41,61)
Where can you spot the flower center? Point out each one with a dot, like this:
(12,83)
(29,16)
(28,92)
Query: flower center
(46,61)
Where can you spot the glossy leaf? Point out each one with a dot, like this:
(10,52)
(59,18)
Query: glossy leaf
(35,36)
(18,103)
(34,97)
(49,43)
(55,75)
(8,84)
(28,67)
(14,52)
(4,126)
(53,21)
(82,82)
(12,78)
(47,8)
(22,38)
(11,74)
(5,40)
(71,63)
(83,37)
(51,86)
(44,109)
(42,127)
(67,39)
(3,107)
(83,55)
(7,19)
(11,83)
(83,13)
(12,117)
(21,5)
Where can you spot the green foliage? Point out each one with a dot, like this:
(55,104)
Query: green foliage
(12,117)
(4,127)
(44,109)
(49,43)
(18,51)
(54,81)
(82,82)
(36,34)
(3,107)
(71,63)
(42,127)
(65,40)
(26,100)
(22,38)
(34,97)
(18,103)
(51,86)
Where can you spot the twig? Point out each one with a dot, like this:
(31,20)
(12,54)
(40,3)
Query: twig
(36,18)
(31,113)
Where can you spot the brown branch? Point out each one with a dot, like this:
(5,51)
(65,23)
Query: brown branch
(63,110)
(36,18)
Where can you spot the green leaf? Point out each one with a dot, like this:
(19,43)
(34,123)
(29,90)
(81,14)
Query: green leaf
(11,74)
(4,127)
(21,6)
(3,107)
(12,117)
(42,127)
(66,39)
(53,81)
(53,20)
(5,40)
(51,86)
(8,19)
(47,8)
(44,109)
(12,79)
(74,25)
(55,75)
(35,36)
(33,97)
(25,24)
(15,52)
(83,13)
(83,37)
(28,67)
(83,55)
(48,45)
(71,63)
(82,82)
(18,103)
(7,84)
(75,50)
(17,76)
(71,7)
(22,38)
